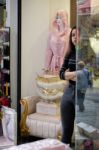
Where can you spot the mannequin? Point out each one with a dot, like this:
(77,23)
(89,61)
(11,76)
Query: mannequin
(50,86)
(57,44)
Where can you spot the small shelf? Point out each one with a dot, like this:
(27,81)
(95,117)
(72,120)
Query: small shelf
(8,84)
(6,43)
(6,71)
(6,57)
(9,96)
(5,29)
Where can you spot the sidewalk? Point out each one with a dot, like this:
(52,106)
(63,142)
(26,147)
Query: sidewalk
(89,116)
(91,112)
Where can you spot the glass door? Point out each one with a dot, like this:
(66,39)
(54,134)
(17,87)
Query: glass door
(87,106)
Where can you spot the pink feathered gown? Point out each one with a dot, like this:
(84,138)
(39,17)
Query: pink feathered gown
(56,47)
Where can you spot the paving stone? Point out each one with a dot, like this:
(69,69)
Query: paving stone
(91,113)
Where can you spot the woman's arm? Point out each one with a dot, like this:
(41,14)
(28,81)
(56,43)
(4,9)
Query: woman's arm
(70,75)
(64,68)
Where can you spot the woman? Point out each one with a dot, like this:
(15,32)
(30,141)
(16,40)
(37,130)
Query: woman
(67,72)
(57,42)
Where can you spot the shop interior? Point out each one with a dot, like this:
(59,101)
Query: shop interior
(30,94)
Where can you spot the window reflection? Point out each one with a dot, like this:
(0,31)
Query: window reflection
(87,131)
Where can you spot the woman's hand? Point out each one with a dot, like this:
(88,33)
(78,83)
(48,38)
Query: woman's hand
(70,75)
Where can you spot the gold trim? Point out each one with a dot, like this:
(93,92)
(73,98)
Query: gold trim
(59,136)
(50,92)
(23,127)
(49,79)
(1,115)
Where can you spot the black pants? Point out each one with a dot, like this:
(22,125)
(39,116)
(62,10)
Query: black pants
(68,113)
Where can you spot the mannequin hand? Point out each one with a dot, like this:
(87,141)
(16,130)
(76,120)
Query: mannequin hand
(46,71)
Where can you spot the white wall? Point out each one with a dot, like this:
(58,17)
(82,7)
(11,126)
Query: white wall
(95,3)
(36,16)
(95,6)
(59,4)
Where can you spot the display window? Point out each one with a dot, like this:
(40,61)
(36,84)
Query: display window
(45,75)
(88,60)
(55,89)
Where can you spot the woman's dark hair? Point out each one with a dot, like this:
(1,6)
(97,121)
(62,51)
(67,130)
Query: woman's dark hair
(72,46)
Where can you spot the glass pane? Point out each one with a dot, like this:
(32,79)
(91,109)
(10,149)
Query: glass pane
(87,107)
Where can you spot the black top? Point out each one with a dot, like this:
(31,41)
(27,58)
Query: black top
(69,63)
